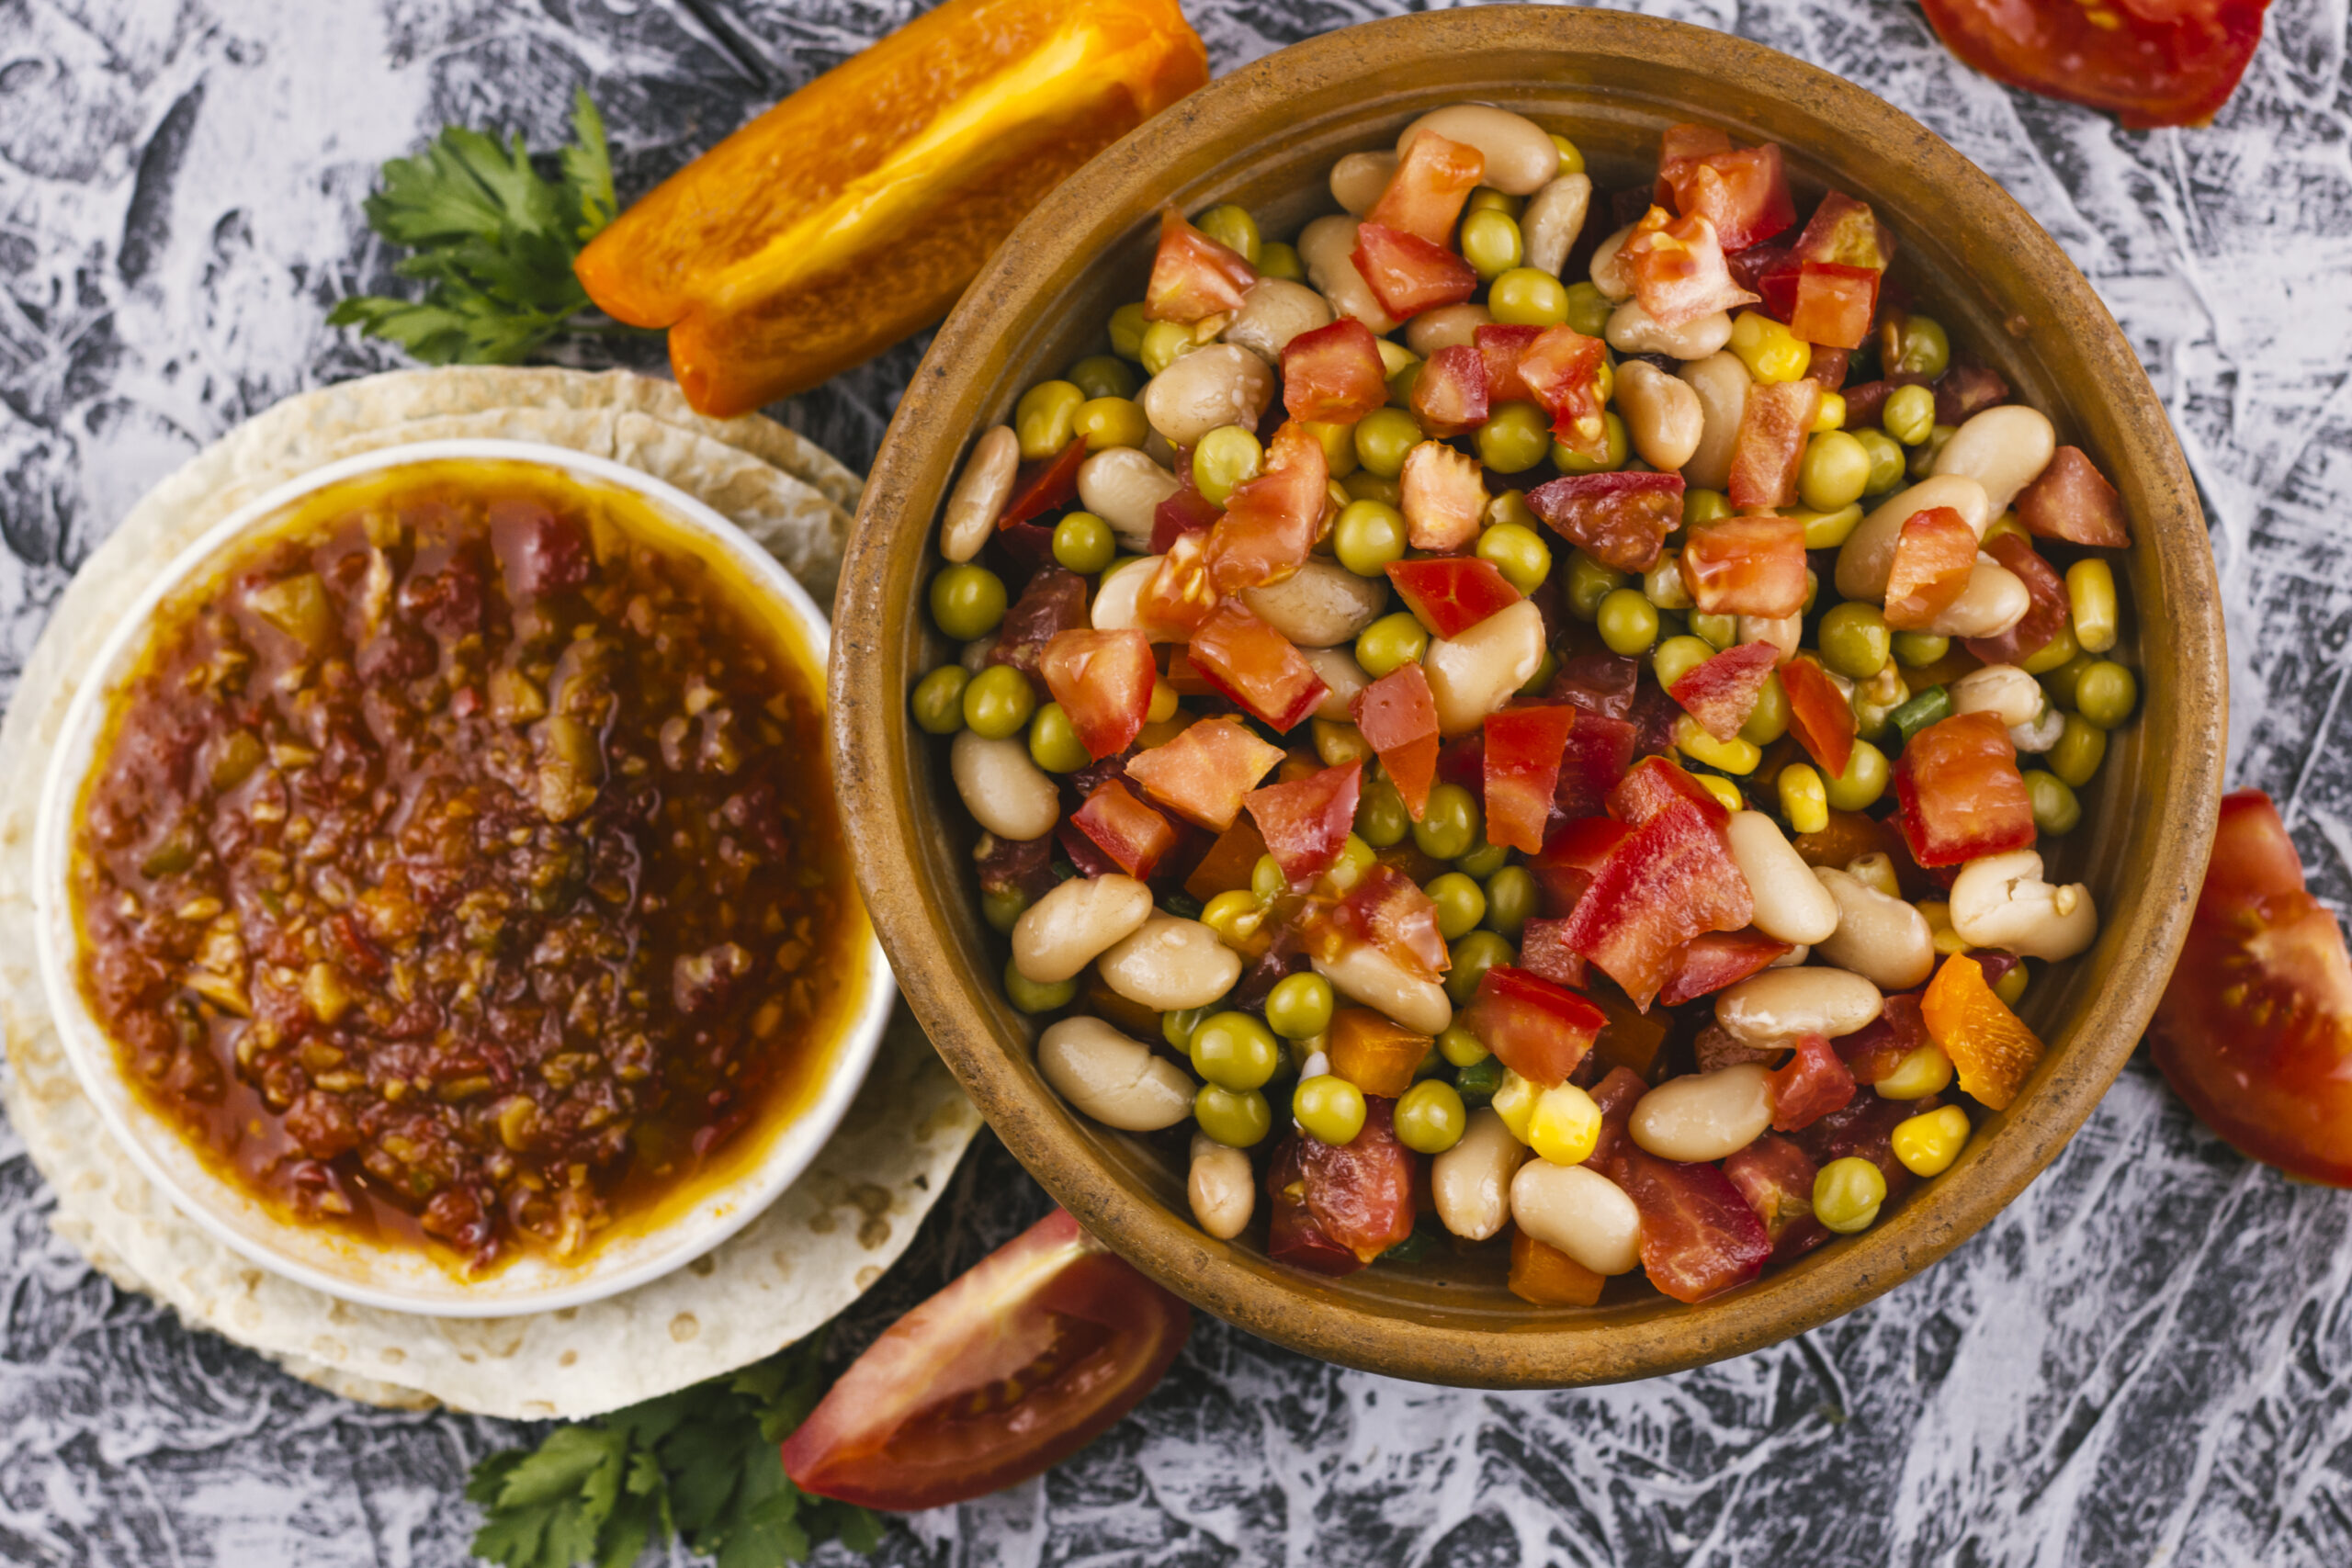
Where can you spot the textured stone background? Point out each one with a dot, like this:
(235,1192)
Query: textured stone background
(2146,1359)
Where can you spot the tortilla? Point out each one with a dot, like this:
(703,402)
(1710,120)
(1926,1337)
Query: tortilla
(826,1239)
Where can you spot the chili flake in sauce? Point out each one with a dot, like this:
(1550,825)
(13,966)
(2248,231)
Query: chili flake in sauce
(462,863)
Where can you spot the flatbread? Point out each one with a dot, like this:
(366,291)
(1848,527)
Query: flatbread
(813,1252)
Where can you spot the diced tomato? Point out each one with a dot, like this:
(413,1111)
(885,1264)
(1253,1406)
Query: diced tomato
(1449,594)
(1103,681)
(1959,793)
(1819,715)
(1450,394)
(1041,486)
(1682,145)
(1835,304)
(1546,1276)
(1721,693)
(1375,1053)
(1333,375)
(1543,952)
(1192,275)
(1677,269)
(1134,834)
(1204,773)
(1442,494)
(1410,275)
(2072,501)
(1424,197)
(1813,1082)
(1599,749)
(1621,519)
(2149,63)
(1561,370)
(2045,619)
(1360,1193)
(1538,1030)
(1991,1049)
(1935,555)
(1657,783)
(1500,347)
(1524,747)
(1271,522)
(1705,965)
(1967,389)
(1180,596)
(1572,857)
(1743,192)
(1293,1233)
(1306,823)
(1668,880)
(1227,865)
(1387,909)
(1052,602)
(1397,717)
(1744,566)
(1699,1236)
(1848,232)
(1875,1049)
(1255,666)
(1776,1178)
(1771,445)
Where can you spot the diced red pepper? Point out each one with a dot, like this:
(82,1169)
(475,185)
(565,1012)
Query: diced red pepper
(1052,602)
(1293,1233)
(1360,1193)
(1408,274)
(1705,965)
(1125,828)
(1306,822)
(1657,783)
(1103,681)
(1524,747)
(1538,1030)
(1204,773)
(1333,375)
(1192,275)
(1271,522)
(1599,751)
(2044,619)
(1819,715)
(1813,1082)
(1543,952)
(1848,232)
(1041,486)
(1186,511)
(1450,394)
(1397,717)
(1561,370)
(1699,1236)
(1180,596)
(1744,566)
(1771,445)
(1250,662)
(1424,197)
(1449,594)
(2072,501)
(1935,554)
(1959,793)
(1670,879)
(1878,1048)
(1386,909)
(1501,346)
(1442,494)
(1743,192)
(1620,520)
(1835,304)
(1776,1178)
(1678,268)
(1721,693)
(1967,389)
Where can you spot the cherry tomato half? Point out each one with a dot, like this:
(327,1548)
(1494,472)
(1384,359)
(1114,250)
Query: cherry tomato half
(2255,1029)
(1015,1366)
(2149,62)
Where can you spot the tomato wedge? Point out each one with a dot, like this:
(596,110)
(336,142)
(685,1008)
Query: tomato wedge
(1537,1029)
(1425,195)
(1408,274)
(1131,833)
(2149,63)
(1450,394)
(2048,616)
(1249,661)
(1935,555)
(1192,275)
(1959,795)
(1522,771)
(2072,501)
(1269,522)
(1561,369)
(1019,1363)
(1305,823)
(1449,594)
(1819,715)
(1398,718)
(1103,681)
(1442,494)
(1721,693)
(1813,1082)
(1678,268)
(1749,565)
(1333,373)
(1205,772)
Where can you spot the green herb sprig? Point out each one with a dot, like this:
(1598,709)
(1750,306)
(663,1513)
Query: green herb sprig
(700,1464)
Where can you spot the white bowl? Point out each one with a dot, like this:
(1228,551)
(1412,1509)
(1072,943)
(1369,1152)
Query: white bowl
(404,1278)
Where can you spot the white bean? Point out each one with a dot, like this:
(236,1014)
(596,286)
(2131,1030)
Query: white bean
(1883,940)
(981,494)
(1771,1009)
(1221,384)
(1124,488)
(1580,1211)
(1274,310)
(1663,418)
(1324,249)
(1867,558)
(1633,330)
(1117,607)
(1342,678)
(2041,735)
(1169,963)
(1321,604)
(1790,905)
(1222,1187)
(1065,931)
(2001,901)
(2003,448)
(1363,974)
(1994,601)
(1553,219)
(1520,155)
(2001,689)
(1448,326)
(1705,1116)
(1119,1081)
(1470,1181)
(1358,179)
(1722,382)
(1608,274)
(1005,791)
(1783,632)
(1473,673)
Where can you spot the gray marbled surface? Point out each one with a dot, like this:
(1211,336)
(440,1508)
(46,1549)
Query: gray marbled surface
(2147,1359)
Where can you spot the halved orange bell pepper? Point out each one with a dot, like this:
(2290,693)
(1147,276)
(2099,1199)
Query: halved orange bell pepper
(1990,1045)
(855,210)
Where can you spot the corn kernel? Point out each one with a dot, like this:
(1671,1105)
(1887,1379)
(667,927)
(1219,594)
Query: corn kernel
(1564,1125)
(1770,350)
(1928,1144)
(1938,914)
(1235,916)
(1832,413)
(1875,869)
(1163,703)
(1924,1072)
(1804,800)
(2090,598)
(1846,1193)
(1515,1103)
(1828,530)
(2006,526)
(2054,654)
(2011,985)
(1733,756)
(1727,794)
(1338,743)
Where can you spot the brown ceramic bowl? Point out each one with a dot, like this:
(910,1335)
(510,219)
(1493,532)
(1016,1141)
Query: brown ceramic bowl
(1266,136)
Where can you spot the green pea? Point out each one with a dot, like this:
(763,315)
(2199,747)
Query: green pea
(1545,668)
(1886,461)
(1628,622)
(1381,817)
(1677,657)
(1225,459)
(1588,308)
(1908,414)
(1102,376)
(1461,904)
(1930,706)
(1278,260)
(1430,1117)
(1768,719)
(2060,651)
(1864,779)
(1472,956)
(1571,156)
(1487,199)
(1916,650)
(2081,748)
(1512,901)
(1478,1082)
(1128,323)
(1053,741)
(2055,810)
(1367,536)
(2105,693)
(1482,860)
(1366,485)
(1922,461)
(1705,506)
(1237,1121)
(1855,640)
(1834,471)
(1299,1007)
(1382,437)
(1330,1109)
(1459,1046)
(1164,343)
(1355,859)
(1177,1027)
(1491,243)
(1390,642)
(1921,347)
(1515,437)
(1002,908)
(1233,228)
(1528,296)
(1719,631)
(1234,1051)
(966,601)
(1083,543)
(1103,422)
(1589,582)
(1519,553)
(1268,881)
(1045,419)
(1401,383)
(939,700)
(1029,996)
(998,702)
(1569,462)
(1449,824)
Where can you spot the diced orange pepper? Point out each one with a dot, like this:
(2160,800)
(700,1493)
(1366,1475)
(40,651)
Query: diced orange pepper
(1849,835)
(1990,1045)
(1375,1053)
(855,210)
(1226,867)
(1544,1275)
(1630,1038)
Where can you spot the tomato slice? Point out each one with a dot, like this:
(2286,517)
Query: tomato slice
(1747,566)
(2149,63)
(1361,1192)
(1399,719)
(1813,1082)
(1180,596)
(1538,1030)
(1205,772)
(1621,520)
(1271,521)
(1020,1362)
(1192,275)
(1408,274)
(1678,268)
(1333,375)
(1668,880)
(1375,1052)
(1306,823)
(2254,1031)
(1424,197)
(1293,1235)
(1256,666)
(1522,771)
(1451,594)
(1848,232)
(1776,1178)
(2072,501)
(1819,715)
(1835,304)
(1443,494)
(1742,191)
(1771,445)
(1705,965)
(1935,555)
(1500,347)
(1561,370)
(1131,833)
(1721,693)
(1450,394)
(2044,620)
(1959,794)
(1103,681)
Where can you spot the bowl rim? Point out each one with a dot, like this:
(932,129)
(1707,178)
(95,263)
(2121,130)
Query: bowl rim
(1293,1310)
(410,1280)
